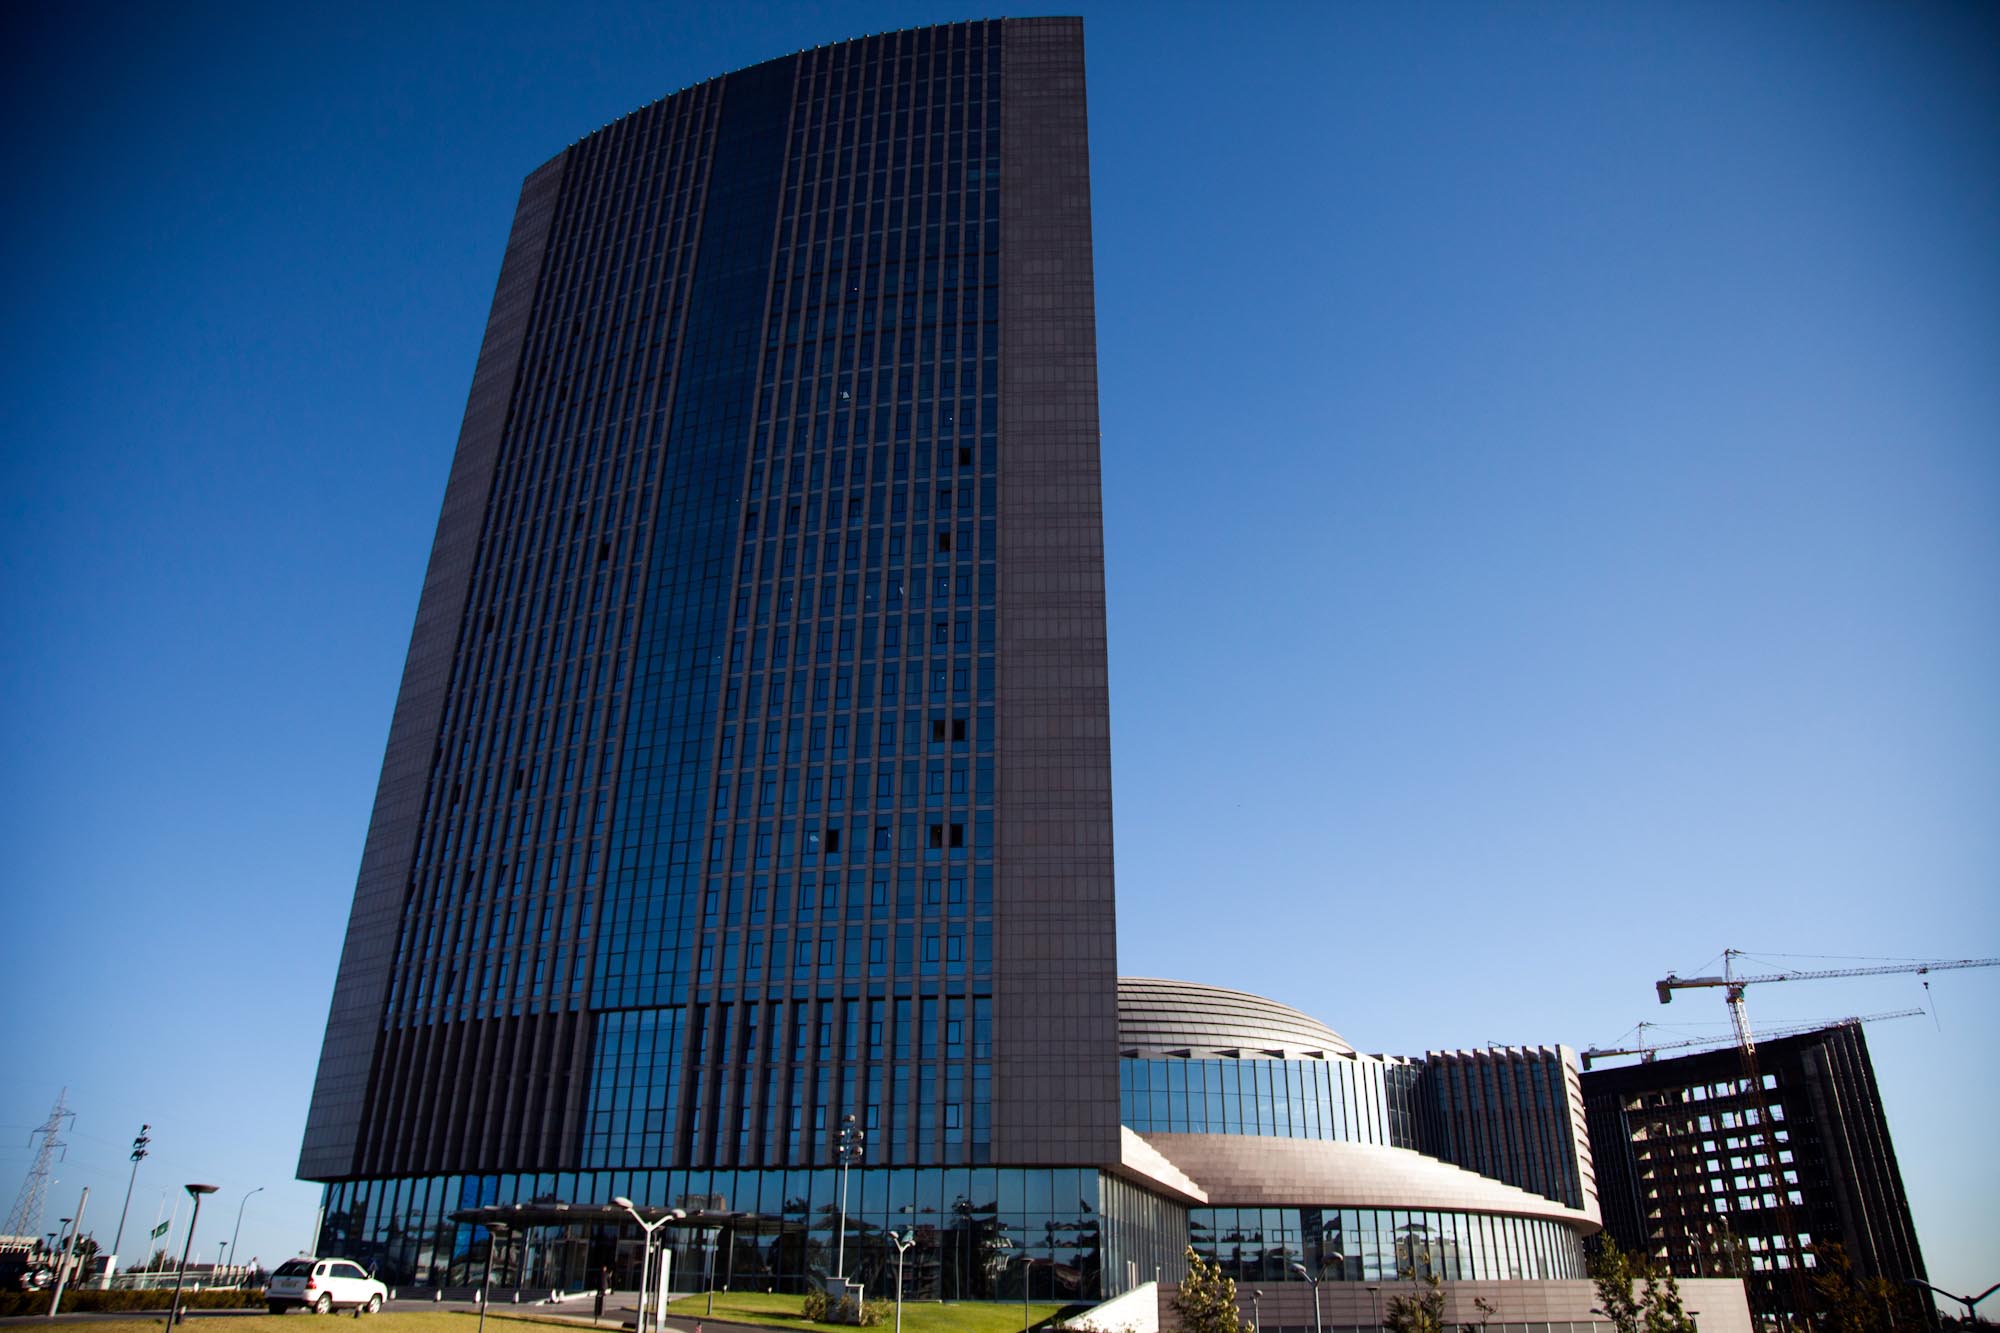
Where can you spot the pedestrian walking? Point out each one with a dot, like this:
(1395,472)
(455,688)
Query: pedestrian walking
(603,1285)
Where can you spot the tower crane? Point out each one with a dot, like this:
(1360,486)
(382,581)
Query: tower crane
(1732,984)
(1646,1053)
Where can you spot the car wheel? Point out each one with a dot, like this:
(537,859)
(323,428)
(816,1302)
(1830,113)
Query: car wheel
(375,1304)
(277,1307)
(324,1305)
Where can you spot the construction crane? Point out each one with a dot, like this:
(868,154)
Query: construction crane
(1732,985)
(1646,1053)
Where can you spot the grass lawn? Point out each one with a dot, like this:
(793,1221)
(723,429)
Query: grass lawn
(751,1307)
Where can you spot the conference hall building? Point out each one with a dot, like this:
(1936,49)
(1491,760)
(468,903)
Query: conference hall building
(746,809)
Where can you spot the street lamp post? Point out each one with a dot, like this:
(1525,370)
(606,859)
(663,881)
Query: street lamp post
(1302,1271)
(1375,1294)
(494,1231)
(849,1149)
(708,1265)
(174,1315)
(646,1260)
(234,1235)
(1256,1310)
(69,1254)
(1334,1258)
(645,1265)
(904,1240)
(1967,1301)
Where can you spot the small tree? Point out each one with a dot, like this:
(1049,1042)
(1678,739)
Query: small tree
(1487,1309)
(1655,1308)
(1662,1299)
(1421,1313)
(1206,1301)
(1848,1303)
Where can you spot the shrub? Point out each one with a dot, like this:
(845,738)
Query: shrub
(868,1316)
(14,1303)
(820,1310)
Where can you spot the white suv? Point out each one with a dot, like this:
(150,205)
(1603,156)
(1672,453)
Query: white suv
(321,1284)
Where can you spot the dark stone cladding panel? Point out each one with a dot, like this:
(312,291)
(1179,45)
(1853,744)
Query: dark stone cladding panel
(1865,1180)
(1055,1077)
(353,1023)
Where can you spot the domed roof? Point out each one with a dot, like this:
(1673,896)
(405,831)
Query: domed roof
(1156,1016)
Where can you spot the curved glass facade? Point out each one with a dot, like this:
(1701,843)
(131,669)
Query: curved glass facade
(979,1230)
(1345,1100)
(1381,1244)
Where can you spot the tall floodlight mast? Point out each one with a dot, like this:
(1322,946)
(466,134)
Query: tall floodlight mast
(139,1144)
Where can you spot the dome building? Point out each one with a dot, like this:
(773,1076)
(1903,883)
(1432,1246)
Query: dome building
(1325,1181)
(1307,1151)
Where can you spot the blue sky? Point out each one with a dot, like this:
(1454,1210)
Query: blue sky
(1552,475)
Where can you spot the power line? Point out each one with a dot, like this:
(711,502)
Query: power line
(26,1219)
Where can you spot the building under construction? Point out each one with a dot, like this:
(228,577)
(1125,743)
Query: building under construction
(1690,1171)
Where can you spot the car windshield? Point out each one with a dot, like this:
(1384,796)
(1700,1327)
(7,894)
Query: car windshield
(294,1268)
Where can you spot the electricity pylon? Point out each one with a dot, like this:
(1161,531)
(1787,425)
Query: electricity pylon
(26,1219)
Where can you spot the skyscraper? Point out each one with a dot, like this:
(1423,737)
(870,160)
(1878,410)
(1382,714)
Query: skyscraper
(748,793)
(750,767)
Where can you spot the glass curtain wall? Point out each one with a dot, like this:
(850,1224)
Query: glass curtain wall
(980,1232)
(1383,1244)
(1349,1100)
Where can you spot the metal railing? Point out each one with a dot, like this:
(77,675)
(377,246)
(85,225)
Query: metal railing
(228,1278)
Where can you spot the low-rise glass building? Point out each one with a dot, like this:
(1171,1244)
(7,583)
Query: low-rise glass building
(1251,1132)
(1305,1151)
